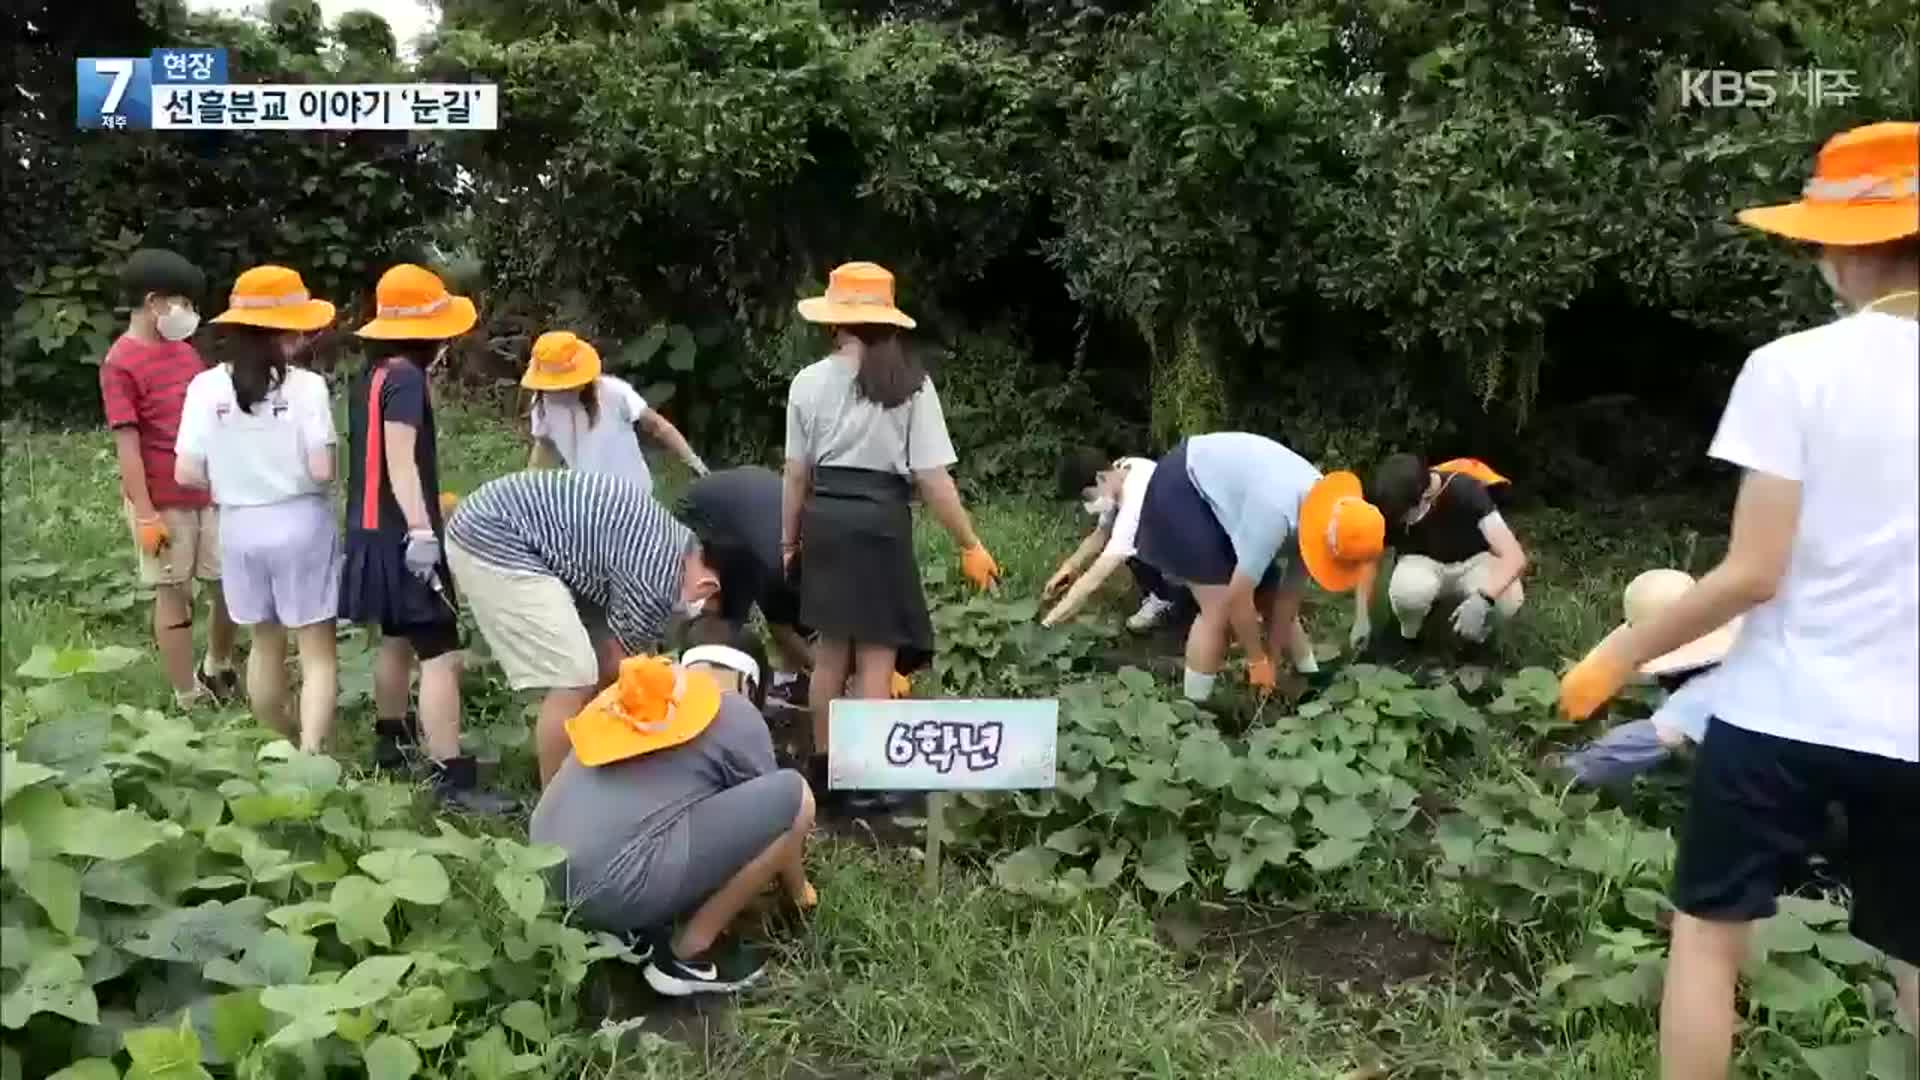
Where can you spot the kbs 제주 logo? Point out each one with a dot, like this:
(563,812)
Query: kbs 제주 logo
(188,90)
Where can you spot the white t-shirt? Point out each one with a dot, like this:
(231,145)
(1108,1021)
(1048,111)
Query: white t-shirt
(608,446)
(1834,657)
(256,458)
(1124,520)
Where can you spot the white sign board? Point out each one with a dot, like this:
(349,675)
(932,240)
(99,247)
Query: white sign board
(908,745)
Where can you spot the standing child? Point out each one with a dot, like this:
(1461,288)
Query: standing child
(395,576)
(586,420)
(143,384)
(259,432)
(1815,702)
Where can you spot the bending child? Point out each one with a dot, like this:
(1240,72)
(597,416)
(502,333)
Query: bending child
(1113,493)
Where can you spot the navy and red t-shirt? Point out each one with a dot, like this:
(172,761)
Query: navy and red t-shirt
(143,385)
(403,400)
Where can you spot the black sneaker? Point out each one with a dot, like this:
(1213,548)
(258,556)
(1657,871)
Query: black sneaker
(395,743)
(222,686)
(727,973)
(456,782)
(876,803)
(794,695)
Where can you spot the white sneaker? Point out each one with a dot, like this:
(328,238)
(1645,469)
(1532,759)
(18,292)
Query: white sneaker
(1153,611)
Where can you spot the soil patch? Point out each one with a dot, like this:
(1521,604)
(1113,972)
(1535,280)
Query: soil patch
(1336,955)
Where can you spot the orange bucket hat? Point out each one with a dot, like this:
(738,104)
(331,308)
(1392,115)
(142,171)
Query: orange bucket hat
(414,305)
(561,361)
(275,298)
(653,705)
(1865,190)
(1473,468)
(1341,533)
(858,293)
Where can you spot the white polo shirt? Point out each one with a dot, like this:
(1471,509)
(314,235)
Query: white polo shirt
(1834,657)
(1123,521)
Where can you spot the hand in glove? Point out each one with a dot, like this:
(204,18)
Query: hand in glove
(1593,682)
(1358,636)
(153,535)
(901,686)
(448,500)
(1261,676)
(979,567)
(423,554)
(1470,618)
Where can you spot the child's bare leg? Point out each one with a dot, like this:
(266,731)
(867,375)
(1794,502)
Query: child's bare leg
(173,633)
(267,677)
(221,631)
(781,857)
(319,683)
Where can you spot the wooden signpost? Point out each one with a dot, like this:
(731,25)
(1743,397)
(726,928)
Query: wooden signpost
(940,747)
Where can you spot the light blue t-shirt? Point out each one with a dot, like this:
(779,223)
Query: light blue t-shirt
(1254,486)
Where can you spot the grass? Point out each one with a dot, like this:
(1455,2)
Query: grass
(972,982)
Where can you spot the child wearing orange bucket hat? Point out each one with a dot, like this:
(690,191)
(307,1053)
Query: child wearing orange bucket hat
(395,575)
(1450,542)
(1816,700)
(258,432)
(587,420)
(671,808)
(1220,513)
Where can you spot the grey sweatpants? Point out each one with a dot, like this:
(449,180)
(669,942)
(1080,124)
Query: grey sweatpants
(692,858)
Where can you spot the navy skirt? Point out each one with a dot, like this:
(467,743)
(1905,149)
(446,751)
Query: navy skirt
(858,580)
(377,590)
(1179,534)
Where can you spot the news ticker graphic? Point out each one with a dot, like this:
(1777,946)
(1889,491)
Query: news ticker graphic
(187,90)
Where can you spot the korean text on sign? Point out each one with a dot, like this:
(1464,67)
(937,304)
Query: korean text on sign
(942,745)
(361,107)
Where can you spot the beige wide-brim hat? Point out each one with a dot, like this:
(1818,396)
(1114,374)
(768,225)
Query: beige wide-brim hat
(1653,592)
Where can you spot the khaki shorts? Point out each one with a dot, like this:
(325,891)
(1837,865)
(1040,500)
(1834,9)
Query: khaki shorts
(529,622)
(192,550)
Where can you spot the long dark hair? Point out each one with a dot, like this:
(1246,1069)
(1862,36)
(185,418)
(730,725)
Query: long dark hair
(254,357)
(889,374)
(589,399)
(417,351)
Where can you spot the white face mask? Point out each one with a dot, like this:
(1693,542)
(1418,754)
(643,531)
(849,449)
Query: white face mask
(692,608)
(178,324)
(1098,506)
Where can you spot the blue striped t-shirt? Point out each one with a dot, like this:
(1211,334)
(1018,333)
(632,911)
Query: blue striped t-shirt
(605,537)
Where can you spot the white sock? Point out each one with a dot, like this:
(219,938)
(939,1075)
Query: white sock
(784,678)
(1305,662)
(1198,686)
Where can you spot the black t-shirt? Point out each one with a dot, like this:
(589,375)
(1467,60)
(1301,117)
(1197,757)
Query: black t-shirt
(403,400)
(1450,531)
(739,509)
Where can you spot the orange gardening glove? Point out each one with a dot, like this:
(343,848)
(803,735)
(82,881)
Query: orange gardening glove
(1593,682)
(1260,676)
(448,500)
(979,567)
(153,535)
(809,897)
(902,686)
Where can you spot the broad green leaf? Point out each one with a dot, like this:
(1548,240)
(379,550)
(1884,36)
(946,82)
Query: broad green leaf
(1332,852)
(354,1026)
(1026,871)
(413,876)
(276,957)
(1163,864)
(1793,984)
(1840,947)
(315,773)
(1893,1056)
(391,1057)
(16,849)
(237,1021)
(1845,1062)
(46,662)
(360,908)
(301,918)
(1457,835)
(165,1053)
(307,1026)
(17,775)
(1783,933)
(1526,841)
(526,1019)
(53,982)
(123,883)
(369,982)
(1071,841)
(418,1009)
(1107,868)
(1813,912)
(525,893)
(203,934)
(1242,868)
(490,1058)
(93,833)
(1206,761)
(1343,819)
(88,1069)
(528,858)
(56,888)
(1137,681)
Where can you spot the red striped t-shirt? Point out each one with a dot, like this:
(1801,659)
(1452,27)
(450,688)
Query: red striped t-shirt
(143,385)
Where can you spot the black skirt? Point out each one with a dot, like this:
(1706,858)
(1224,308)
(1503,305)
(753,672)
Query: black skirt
(1179,534)
(376,588)
(857,577)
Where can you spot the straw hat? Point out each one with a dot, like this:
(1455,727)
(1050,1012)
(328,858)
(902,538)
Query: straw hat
(414,305)
(1653,592)
(857,293)
(1341,534)
(653,705)
(1865,190)
(560,361)
(274,297)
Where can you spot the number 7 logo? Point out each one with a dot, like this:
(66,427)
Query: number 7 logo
(122,72)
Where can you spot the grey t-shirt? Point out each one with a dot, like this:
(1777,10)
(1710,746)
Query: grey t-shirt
(611,818)
(829,425)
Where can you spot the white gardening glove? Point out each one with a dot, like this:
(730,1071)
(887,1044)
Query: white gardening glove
(1470,618)
(698,466)
(423,554)
(1362,631)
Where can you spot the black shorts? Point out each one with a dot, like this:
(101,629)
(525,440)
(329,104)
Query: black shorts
(1758,808)
(429,640)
